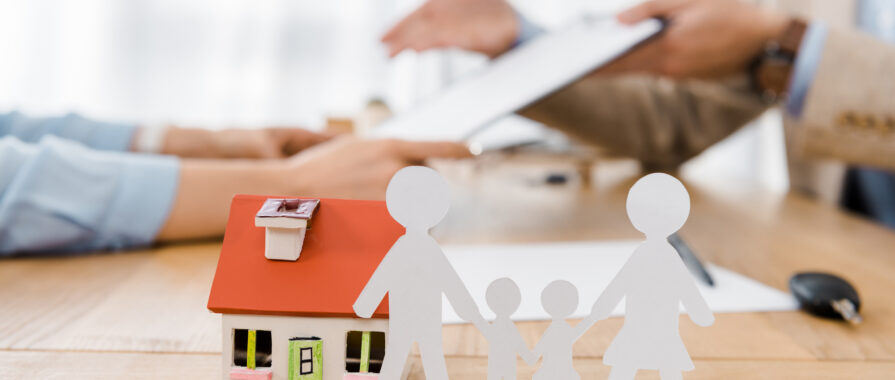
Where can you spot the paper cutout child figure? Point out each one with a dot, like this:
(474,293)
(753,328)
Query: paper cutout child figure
(654,282)
(415,273)
(559,299)
(504,341)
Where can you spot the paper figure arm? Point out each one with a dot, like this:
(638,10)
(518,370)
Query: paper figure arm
(378,285)
(541,348)
(694,304)
(585,324)
(613,293)
(522,349)
(484,327)
(456,292)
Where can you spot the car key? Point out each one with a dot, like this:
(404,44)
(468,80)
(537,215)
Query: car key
(826,295)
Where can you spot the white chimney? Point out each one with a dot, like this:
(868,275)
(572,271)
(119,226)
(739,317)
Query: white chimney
(285,223)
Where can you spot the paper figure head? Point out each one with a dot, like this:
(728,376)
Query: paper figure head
(503,297)
(658,205)
(417,197)
(560,299)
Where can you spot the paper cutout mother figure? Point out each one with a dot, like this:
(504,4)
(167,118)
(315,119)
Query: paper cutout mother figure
(415,273)
(654,282)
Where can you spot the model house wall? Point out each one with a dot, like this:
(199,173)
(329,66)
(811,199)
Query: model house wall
(264,303)
(332,331)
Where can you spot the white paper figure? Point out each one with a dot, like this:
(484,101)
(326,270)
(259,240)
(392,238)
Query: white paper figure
(559,299)
(415,273)
(504,341)
(654,282)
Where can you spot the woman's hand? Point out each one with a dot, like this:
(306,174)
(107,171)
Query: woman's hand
(343,168)
(267,143)
(348,167)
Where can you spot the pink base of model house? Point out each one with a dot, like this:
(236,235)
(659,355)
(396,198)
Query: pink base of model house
(355,376)
(248,374)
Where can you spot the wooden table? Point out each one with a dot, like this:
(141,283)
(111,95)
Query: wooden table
(142,314)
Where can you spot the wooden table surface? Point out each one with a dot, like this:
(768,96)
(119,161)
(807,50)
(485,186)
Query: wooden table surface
(142,314)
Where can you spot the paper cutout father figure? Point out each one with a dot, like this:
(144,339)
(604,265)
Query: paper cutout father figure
(415,273)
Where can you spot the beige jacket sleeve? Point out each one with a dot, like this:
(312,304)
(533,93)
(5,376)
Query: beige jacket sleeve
(848,114)
(849,110)
(659,122)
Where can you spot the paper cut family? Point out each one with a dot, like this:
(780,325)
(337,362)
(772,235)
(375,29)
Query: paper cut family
(414,274)
(653,283)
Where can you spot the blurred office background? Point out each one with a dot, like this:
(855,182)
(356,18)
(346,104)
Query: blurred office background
(221,63)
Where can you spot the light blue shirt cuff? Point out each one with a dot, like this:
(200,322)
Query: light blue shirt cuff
(93,134)
(58,196)
(527,30)
(144,200)
(810,52)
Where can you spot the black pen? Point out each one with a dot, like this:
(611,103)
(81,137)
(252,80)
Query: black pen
(690,260)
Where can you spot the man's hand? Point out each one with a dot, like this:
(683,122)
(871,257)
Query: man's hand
(703,39)
(353,168)
(485,26)
(267,143)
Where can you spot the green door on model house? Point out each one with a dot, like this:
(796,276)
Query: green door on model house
(306,358)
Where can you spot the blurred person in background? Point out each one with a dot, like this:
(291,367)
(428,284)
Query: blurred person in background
(73,184)
(718,65)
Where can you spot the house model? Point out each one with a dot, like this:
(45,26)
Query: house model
(285,319)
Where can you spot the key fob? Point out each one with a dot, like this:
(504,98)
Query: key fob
(826,295)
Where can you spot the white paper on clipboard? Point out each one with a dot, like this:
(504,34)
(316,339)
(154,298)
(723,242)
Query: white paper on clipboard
(516,79)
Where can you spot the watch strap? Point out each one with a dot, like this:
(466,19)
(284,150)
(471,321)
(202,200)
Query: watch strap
(772,69)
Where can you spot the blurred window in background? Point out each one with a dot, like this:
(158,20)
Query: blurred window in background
(274,62)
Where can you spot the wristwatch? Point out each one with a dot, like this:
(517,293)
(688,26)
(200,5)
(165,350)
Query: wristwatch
(771,69)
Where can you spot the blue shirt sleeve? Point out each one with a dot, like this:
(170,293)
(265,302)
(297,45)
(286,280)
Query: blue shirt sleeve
(96,135)
(58,196)
(810,51)
(527,30)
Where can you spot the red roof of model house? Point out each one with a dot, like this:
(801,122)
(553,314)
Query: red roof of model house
(344,244)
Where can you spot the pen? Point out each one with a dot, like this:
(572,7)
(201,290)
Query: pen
(690,260)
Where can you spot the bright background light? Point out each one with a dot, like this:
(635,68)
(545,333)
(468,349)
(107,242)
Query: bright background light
(218,63)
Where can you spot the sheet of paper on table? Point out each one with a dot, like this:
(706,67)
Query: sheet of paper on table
(589,266)
(516,79)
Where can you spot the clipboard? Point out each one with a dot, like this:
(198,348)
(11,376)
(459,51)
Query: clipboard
(516,79)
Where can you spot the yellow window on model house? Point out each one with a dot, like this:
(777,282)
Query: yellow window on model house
(364,352)
(252,348)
